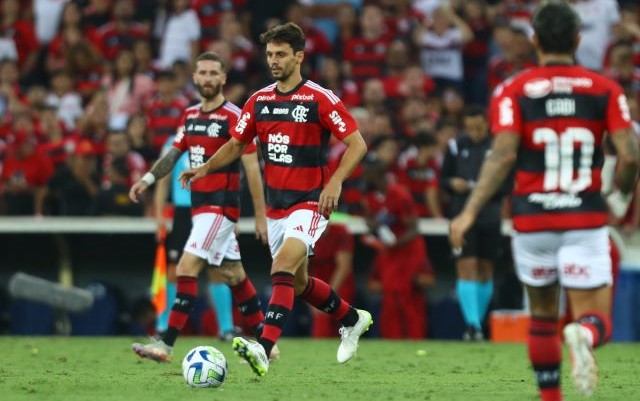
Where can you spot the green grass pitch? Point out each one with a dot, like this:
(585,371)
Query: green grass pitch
(96,369)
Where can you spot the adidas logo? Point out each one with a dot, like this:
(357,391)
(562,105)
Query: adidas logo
(265,110)
(193,245)
(299,228)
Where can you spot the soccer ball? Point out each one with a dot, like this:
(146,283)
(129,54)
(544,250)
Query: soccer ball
(204,366)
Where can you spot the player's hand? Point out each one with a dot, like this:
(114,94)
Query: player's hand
(459,185)
(458,228)
(329,197)
(137,189)
(188,176)
(261,230)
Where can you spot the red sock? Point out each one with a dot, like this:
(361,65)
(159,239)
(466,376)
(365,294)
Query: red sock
(187,291)
(321,296)
(599,325)
(245,296)
(545,354)
(279,309)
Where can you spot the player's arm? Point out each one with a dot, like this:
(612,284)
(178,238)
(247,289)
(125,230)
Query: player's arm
(432,196)
(626,145)
(356,149)
(160,168)
(254,179)
(493,173)
(227,153)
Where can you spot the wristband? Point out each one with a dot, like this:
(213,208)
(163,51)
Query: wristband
(148,179)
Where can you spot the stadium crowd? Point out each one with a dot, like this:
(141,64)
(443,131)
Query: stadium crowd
(90,90)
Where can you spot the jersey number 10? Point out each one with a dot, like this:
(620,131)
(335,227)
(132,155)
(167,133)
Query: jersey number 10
(558,158)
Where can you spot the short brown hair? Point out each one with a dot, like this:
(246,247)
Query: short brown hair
(285,33)
(212,56)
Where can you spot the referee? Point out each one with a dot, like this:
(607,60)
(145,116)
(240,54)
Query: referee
(474,264)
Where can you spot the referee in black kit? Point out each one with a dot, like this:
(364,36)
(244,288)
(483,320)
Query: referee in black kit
(474,264)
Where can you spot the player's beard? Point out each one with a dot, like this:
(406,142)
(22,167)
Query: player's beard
(209,92)
(282,74)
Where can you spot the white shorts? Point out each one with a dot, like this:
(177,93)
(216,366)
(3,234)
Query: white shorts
(576,259)
(305,225)
(213,238)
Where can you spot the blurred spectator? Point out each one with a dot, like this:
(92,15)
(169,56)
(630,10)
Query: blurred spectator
(165,110)
(515,53)
(316,46)
(209,13)
(324,14)
(366,52)
(143,58)
(374,98)
(55,141)
(121,32)
(114,200)
(242,49)
(400,18)
(62,97)
(598,18)
(10,91)
(140,138)
(404,79)
(25,174)
(332,262)
(401,268)
(185,82)
(119,147)
(441,41)
(83,63)
(127,91)
(415,117)
(75,184)
(622,68)
(419,171)
(476,52)
(18,39)
(178,29)
(331,77)
(94,123)
(97,13)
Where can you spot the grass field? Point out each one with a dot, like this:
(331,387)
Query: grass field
(96,369)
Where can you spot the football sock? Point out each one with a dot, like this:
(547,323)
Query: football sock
(162,321)
(545,354)
(279,309)
(222,304)
(183,305)
(246,297)
(320,295)
(485,293)
(468,298)
(598,327)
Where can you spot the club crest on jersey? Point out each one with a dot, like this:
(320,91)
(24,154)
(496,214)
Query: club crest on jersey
(299,114)
(213,130)
(537,88)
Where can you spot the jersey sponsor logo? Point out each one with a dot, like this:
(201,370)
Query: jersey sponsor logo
(302,97)
(299,114)
(505,112)
(265,110)
(566,84)
(624,108)
(217,116)
(278,148)
(214,130)
(336,119)
(280,110)
(196,156)
(560,107)
(555,200)
(537,88)
(179,134)
(242,123)
(262,98)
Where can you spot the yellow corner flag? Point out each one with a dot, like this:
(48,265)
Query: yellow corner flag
(159,280)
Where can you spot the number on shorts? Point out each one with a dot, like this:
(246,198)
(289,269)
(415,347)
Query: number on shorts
(558,158)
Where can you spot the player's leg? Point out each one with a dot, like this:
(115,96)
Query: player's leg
(467,285)
(586,273)
(536,266)
(220,296)
(489,249)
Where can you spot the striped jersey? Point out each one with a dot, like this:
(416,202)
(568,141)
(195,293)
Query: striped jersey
(561,113)
(293,131)
(202,134)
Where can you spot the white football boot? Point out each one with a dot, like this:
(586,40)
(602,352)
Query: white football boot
(351,335)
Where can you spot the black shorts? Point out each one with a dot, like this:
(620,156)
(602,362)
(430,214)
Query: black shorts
(483,241)
(179,233)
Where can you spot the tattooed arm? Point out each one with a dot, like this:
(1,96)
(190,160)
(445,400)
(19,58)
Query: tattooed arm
(161,168)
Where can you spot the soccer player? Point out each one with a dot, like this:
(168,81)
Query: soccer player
(292,120)
(204,128)
(549,122)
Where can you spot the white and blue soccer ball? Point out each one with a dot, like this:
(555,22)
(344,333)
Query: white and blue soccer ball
(204,366)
